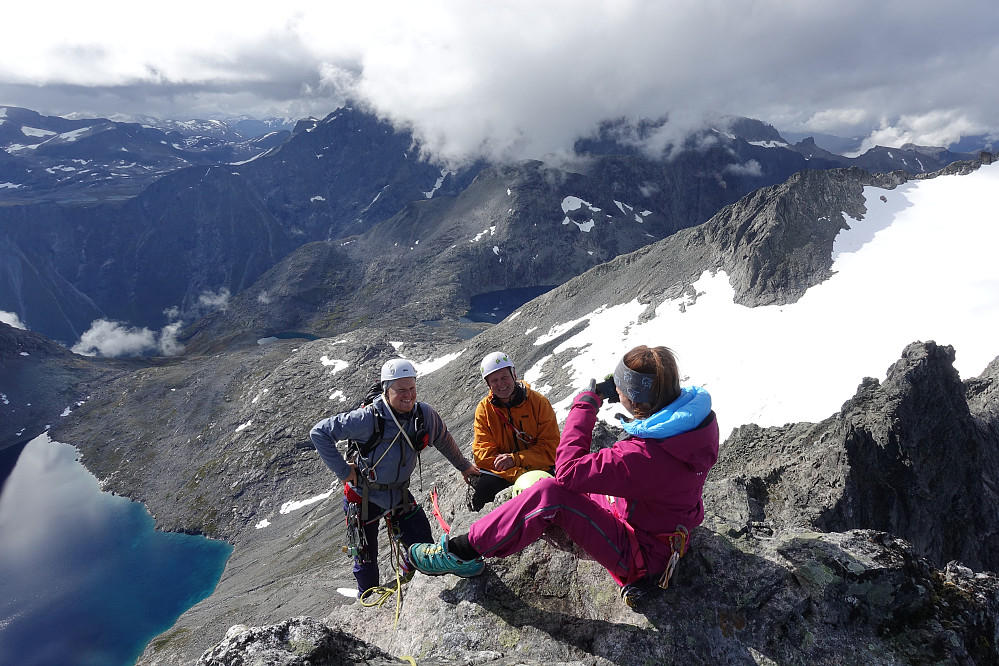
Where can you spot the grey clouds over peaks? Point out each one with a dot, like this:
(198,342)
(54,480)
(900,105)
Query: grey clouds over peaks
(525,79)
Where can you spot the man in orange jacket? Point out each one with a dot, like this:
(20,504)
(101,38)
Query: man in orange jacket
(515,430)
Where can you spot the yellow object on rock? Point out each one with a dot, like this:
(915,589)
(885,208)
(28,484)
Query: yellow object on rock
(528,479)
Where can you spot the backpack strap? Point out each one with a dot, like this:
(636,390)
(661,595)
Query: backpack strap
(365,447)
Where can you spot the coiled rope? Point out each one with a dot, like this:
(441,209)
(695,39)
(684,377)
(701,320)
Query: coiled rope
(378,595)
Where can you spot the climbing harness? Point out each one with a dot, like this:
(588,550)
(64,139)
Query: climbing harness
(419,441)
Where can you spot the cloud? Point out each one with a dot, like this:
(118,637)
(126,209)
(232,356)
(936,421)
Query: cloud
(168,344)
(937,128)
(12,319)
(750,168)
(108,338)
(113,339)
(522,78)
(215,300)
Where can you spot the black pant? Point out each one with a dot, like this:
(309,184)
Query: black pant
(486,488)
(414,527)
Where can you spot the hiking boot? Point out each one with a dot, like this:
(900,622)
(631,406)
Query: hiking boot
(637,594)
(436,560)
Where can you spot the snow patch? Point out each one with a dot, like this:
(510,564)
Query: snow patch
(337,364)
(34,131)
(437,185)
(491,231)
(75,134)
(295,505)
(428,366)
(571,203)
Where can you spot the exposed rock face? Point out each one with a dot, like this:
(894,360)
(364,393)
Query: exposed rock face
(854,597)
(905,457)
(66,262)
(298,641)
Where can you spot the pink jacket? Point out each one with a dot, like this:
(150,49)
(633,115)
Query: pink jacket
(652,484)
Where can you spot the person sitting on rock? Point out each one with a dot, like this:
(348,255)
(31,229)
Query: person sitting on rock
(377,477)
(515,430)
(630,506)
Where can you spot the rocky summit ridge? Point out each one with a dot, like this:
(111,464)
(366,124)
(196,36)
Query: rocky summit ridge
(785,568)
(865,538)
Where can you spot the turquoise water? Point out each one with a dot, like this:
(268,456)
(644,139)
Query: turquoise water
(85,580)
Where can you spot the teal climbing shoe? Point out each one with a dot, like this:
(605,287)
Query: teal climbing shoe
(436,560)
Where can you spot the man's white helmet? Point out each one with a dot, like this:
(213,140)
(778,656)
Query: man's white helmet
(493,362)
(397,368)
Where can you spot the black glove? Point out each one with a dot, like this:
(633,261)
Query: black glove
(605,389)
(588,399)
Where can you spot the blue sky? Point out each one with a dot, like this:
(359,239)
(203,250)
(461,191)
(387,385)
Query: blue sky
(519,78)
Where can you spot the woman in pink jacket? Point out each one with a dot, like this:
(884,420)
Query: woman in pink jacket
(630,506)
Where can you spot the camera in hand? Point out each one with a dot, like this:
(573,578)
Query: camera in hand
(606,389)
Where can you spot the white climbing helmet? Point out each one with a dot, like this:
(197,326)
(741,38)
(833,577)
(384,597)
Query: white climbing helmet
(495,361)
(397,368)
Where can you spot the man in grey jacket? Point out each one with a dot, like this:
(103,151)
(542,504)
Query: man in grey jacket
(376,478)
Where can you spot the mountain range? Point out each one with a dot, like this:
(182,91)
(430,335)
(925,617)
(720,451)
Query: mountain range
(186,224)
(863,535)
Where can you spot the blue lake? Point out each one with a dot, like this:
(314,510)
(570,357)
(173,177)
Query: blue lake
(85,579)
(495,306)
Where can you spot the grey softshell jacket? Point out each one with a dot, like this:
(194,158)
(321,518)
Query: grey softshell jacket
(392,460)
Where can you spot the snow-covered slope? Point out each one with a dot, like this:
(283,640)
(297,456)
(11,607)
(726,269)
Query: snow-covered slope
(919,266)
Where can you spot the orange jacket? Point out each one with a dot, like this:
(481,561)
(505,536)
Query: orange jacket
(494,434)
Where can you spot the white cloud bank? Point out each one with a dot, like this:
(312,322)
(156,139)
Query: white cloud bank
(523,78)
(113,339)
(11,319)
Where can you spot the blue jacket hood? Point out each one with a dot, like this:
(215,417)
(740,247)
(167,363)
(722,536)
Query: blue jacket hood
(680,416)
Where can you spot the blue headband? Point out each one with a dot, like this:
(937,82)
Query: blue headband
(636,385)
